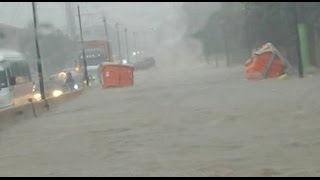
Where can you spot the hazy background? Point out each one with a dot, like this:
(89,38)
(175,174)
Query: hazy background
(176,34)
(163,27)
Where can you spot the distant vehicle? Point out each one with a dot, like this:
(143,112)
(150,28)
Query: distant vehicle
(60,76)
(144,64)
(94,58)
(96,52)
(52,89)
(16,85)
(55,86)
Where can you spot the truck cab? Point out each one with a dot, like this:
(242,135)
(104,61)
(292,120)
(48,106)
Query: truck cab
(94,58)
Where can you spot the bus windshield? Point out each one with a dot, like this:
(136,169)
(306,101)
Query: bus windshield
(3,78)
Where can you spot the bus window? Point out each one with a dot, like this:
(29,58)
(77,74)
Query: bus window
(3,78)
(21,80)
(21,71)
(28,72)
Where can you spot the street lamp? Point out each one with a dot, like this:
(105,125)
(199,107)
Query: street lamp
(125,31)
(135,45)
(119,45)
(107,38)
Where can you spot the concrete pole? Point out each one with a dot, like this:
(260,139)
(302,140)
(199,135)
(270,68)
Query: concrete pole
(107,37)
(298,47)
(128,56)
(119,45)
(39,63)
(83,50)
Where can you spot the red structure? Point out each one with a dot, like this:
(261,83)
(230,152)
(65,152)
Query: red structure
(116,75)
(267,62)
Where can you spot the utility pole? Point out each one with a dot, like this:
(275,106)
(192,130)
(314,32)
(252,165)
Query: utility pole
(119,45)
(298,46)
(225,44)
(246,16)
(135,45)
(107,38)
(128,56)
(39,63)
(138,42)
(83,50)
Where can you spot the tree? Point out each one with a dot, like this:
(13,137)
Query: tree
(274,22)
(270,22)
(211,36)
(224,32)
(217,26)
(56,48)
(248,25)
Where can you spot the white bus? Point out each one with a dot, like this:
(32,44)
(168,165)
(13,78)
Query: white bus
(16,84)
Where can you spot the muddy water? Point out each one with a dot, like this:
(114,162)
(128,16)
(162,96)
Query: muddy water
(189,122)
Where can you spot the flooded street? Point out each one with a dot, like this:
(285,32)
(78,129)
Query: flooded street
(197,121)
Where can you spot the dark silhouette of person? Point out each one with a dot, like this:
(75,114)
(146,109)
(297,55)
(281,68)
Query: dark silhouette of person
(69,81)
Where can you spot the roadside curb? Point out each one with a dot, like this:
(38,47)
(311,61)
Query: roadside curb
(22,112)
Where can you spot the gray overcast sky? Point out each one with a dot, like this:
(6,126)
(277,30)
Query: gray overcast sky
(134,15)
(167,18)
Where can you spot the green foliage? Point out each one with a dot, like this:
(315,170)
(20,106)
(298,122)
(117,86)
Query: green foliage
(56,49)
(224,25)
(275,20)
(211,36)
(248,25)
(271,22)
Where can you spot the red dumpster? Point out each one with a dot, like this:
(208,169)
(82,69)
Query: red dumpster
(116,75)
(257,66)
(266,63)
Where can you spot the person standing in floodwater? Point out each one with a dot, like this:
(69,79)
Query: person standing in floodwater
(70,83)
